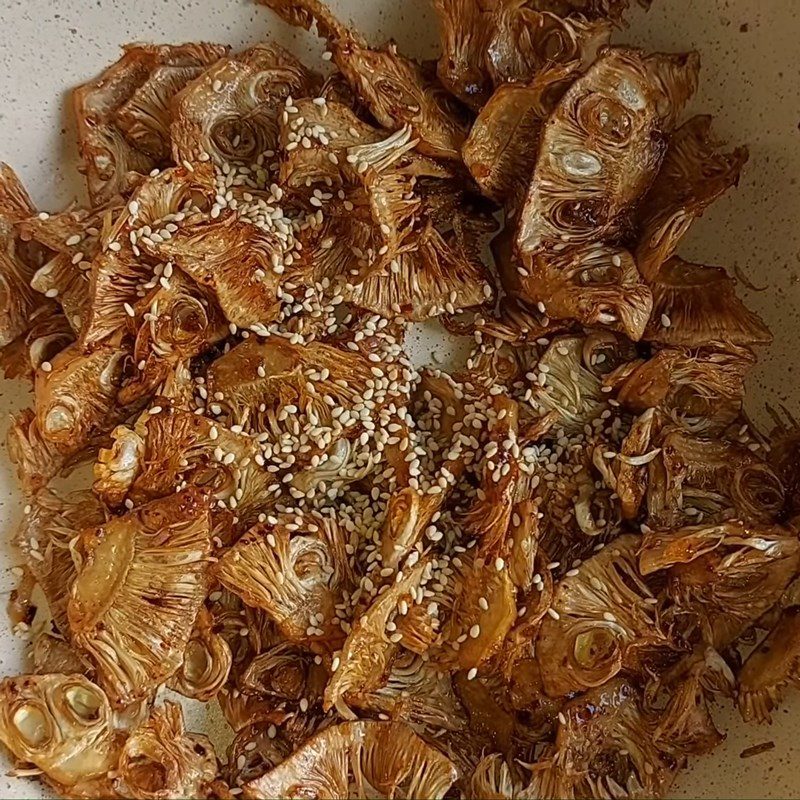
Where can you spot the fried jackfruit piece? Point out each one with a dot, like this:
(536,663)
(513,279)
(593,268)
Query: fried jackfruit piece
(368,652)
(110,160)
(118,466)
(524,41)
(49,333)
(500,150)
(178,322)
(595,284)
(120,274)
(772,666)
(38,460)
(360,760)
(160,760)
(341,129)
(146,117)
(231,111)
(51,653)
(141,580)
(408,514)
(485,624)
(206,661)
(697,306)
(511,41)
(416,692)
(284,674)
(711,480)
(69,283)
(568,388)
(61,723)
(235,260)
(18,301)
(364,233)
(602,147)
(76,397)
(395,89)
(694,173)
(604,749)
(630,465)
(263,382)
(253,753)
(427,278)
(605,621)
(296,576)
(175,446)
(492,779)
(65,274)
(685,726)
(728,574)
(701,390)
(464,30)
(44,538)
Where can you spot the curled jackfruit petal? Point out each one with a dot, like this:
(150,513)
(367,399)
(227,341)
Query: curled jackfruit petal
(141,580)
(772,666)
(604,620)
(500,150)
(230,112)
(396,89)
(161,760)
(110,160)
(206,661)
(45,537)
(360,760)
(697,306)
(296,576)
(694,173)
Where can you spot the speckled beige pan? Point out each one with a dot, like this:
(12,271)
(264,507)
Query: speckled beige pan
(750,83)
